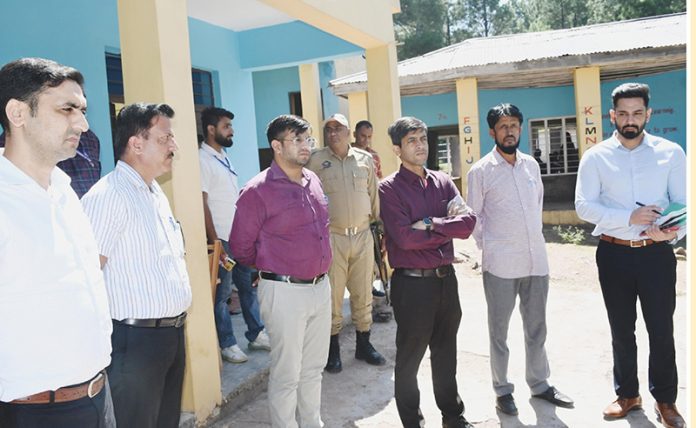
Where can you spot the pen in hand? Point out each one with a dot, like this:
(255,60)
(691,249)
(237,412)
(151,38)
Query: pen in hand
(642,205)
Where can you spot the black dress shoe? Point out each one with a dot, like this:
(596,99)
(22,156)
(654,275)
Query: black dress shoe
(458,422)
(554,396)
(506,404)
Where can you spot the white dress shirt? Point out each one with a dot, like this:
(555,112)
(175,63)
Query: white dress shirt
(611,179)
(145,273)
(55,326)
(219,181)
(508,200)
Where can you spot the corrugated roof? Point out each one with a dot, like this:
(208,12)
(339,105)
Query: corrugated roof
(652,32)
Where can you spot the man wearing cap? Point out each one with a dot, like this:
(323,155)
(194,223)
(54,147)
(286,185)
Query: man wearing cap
(281,227)
(348,177)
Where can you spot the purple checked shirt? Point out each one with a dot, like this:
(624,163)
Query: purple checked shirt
(84,168)
(281,226)
(406,198)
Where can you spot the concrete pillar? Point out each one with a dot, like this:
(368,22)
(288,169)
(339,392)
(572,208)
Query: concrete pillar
(357,108)
(588,107)
(310,89)
(384,100)
(469,127)
(157,68)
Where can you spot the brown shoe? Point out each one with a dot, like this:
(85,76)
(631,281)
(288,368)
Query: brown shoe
(621,407)
(668,414)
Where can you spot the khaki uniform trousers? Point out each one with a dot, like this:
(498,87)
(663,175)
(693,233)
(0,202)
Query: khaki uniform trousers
(352,268)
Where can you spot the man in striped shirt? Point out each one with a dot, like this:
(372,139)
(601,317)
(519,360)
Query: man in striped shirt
(142,256)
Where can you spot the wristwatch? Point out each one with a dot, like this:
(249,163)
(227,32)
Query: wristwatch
(428,222)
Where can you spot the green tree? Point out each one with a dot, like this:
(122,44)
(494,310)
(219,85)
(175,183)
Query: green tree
(420,27)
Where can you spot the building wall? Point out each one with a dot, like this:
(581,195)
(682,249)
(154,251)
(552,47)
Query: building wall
(667,99)
(271,89)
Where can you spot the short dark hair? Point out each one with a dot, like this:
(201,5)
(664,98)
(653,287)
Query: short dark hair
(502,110)
(402,126)
(212,115)
(631,90)
(136,119)
(26,78)
(361,124)
(284,123)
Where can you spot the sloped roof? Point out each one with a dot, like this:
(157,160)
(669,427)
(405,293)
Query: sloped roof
(547,49)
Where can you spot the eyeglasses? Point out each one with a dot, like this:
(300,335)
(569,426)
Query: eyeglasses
(297,141)
(166,139)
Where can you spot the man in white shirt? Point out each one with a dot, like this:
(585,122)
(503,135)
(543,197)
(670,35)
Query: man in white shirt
(634,259)
(220,193)
(54,315)
(505,190)
(142,255)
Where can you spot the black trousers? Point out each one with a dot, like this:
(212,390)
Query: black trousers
(146,375)
(85,412)
(427,314)
(649,274)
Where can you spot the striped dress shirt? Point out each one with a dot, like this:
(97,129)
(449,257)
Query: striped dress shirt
(145,273)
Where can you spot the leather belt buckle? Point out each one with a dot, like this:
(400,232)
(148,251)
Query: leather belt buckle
(638,243)
(442,271)
(90,392)
(180,320)
(351,231)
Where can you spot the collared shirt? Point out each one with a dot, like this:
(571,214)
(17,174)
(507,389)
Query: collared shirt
(350,185)
(84,168)
(375,157)
(406,198)
(611,179)
(219,181)
(55,326)
(281,226)
(145,273)
(509,201)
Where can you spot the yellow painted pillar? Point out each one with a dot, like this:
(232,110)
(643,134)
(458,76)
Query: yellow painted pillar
(357,107)
(157,68)
(310,89)
(588,107)
(384,100)
(469,129)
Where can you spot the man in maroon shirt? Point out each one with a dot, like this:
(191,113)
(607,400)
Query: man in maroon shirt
(422,212)
(281,227)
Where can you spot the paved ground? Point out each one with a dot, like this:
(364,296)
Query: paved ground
(578,345)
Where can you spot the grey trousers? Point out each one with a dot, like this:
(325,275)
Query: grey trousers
(501,295)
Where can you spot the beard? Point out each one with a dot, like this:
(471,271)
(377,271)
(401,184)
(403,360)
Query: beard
(630,131)
(508,150)
(223,141)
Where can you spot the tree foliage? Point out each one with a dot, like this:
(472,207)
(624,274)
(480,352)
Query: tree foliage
(426,25)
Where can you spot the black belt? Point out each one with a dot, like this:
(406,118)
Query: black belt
(287,278)
(177,322)
(439,272)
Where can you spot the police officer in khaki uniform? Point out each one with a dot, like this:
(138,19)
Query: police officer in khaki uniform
(348,177)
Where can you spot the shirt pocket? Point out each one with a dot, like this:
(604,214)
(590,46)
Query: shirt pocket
(360,180)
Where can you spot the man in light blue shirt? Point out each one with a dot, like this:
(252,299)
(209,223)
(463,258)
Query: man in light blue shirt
(624,183)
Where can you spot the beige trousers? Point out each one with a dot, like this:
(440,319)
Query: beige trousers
(297,319)
(352,268)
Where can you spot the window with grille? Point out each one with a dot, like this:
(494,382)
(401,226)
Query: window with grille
(553,143)
(448,156)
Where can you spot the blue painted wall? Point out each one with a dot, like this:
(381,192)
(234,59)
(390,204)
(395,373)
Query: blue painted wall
(216,49)
(71,32)
(288,44)
(667,99)
(327,72)
(271,90)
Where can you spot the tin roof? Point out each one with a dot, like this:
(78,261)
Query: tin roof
(546,49)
